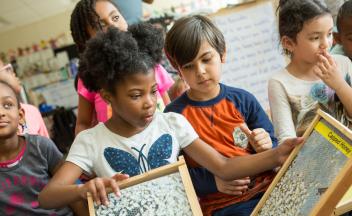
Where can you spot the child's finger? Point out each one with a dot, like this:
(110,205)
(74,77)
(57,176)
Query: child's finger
(259,134)
(115,188)
(93,191)
(329,58)
(324,62)
(120,176)
(101,192)
(244,128)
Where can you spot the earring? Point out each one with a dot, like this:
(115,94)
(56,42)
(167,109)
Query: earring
(24,127)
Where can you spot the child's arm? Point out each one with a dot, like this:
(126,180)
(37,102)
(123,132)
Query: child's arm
(239,167)
(327,70)
(85,115)
(63,189)
(280,111)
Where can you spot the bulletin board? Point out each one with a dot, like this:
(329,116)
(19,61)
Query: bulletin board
(315,176)
(164,191)
(253,52)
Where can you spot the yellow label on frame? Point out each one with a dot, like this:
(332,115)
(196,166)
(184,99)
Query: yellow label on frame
(334,139)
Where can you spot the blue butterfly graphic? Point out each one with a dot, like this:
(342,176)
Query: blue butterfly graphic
(120,160)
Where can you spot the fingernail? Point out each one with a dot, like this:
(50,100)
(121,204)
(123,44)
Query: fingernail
(118,194)
(106,203)
(98,202)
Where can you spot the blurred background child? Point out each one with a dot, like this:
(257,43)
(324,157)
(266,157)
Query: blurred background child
(343,36)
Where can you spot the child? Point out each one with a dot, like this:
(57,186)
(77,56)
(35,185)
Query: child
(88,18)
(313,78)
(196,48)
(136,138)
(344,27)
(26,161)
(33,122)
(177,88)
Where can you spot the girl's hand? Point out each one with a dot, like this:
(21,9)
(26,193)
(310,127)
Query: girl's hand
(234,187)
(285,148)
(327,70)
(258,138)
(97,187)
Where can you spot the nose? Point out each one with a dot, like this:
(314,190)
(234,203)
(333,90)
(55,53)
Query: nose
(200,69)
(325,43)
(150,100)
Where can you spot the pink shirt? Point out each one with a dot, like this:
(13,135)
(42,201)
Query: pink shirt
(163,79)
(34,121)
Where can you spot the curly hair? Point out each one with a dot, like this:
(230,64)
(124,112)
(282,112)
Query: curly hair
(110,57)
(294,13)
(150,39)
(84,15)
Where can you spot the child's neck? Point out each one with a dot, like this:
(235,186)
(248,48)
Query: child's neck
(303,71)
(121,127)
(10,148)
(201,96)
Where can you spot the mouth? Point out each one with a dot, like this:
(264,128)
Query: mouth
(204,82)
(148,117)
(3,123)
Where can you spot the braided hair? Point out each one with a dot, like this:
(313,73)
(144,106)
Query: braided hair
(82,16)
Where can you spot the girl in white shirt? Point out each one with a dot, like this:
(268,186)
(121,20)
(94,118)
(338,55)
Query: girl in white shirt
(313,78)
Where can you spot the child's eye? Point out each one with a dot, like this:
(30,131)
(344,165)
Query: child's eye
(8,105)
(207,59)
(115,18)
(135,97)
(154,91)
(315,38)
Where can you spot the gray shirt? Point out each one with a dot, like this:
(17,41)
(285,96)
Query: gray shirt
(21,183)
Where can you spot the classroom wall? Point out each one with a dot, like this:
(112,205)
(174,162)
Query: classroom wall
(33,33)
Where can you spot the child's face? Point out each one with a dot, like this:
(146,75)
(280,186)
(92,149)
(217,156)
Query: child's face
(109,16)
(344,37)
(134,102)
(202,74)
(10,113)
(313,39)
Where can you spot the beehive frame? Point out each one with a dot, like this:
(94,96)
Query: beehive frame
(178,167)
(340,183)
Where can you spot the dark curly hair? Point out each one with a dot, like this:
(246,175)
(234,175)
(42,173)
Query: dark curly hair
(149,38)
(112,56)
(345,12)
(294,13)
(184,39)
(84,15)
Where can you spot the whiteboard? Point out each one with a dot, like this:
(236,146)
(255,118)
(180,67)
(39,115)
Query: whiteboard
(253,51)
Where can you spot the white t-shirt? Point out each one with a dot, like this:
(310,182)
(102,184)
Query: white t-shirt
(293,102)
(104,153)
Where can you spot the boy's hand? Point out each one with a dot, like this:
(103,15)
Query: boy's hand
(258,138)
(285,149)
(234,187)
(97,187)
(327,70)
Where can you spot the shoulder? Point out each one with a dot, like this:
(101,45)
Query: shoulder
(91,133)
(177,105)
(280,75)
(237,95)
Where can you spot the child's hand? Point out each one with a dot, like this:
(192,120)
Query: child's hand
(285,149)
(234,187)
(97,187)
(258,138)
(327,70)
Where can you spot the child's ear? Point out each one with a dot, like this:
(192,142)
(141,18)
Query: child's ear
(105,95)
(337,37)
(223,57)
(287,43)
(21,114)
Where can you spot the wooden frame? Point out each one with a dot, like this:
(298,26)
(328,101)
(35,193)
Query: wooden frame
(178,167)
(329,198)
